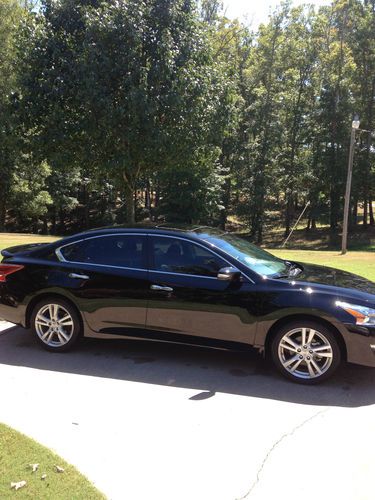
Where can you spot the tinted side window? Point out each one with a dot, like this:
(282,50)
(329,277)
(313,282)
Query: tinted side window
(181,256)
(121,250)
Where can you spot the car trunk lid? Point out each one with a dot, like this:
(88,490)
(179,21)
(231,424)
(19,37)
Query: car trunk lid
(20,249)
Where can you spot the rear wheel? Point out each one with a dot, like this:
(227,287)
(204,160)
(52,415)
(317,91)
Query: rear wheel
(56,324)
(306,352)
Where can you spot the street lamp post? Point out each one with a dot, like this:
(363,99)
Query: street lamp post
(355,127)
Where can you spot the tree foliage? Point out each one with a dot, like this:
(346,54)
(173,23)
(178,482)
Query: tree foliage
(166,109)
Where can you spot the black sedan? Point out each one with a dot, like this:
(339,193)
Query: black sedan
(192,285)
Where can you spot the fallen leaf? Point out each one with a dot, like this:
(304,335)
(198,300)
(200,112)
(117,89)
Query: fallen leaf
(59,469)
(34,467)
(17,486)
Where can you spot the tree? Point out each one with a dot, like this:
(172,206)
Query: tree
(10,16)
(127,87)
(261,127)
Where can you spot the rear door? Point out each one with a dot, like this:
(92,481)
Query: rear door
(108,276)
(187,298)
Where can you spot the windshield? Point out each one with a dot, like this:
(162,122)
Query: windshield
(252,256)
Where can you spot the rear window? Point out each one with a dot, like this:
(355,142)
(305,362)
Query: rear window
(120,251)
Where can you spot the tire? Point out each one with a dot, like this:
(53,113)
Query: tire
(312,364)
(56,324)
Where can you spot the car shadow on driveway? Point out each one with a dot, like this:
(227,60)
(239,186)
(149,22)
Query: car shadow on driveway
(209,371)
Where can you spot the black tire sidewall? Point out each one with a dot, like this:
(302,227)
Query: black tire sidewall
(76,323)
(327,332)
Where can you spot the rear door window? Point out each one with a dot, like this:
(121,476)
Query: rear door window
(120,251)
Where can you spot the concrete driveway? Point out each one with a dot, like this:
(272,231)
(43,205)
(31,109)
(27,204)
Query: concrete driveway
(156,421)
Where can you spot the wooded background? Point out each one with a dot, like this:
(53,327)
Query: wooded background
(124,110)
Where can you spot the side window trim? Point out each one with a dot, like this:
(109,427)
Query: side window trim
(152,263)
(61,258)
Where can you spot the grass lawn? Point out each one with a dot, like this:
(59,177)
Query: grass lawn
(362,263)
(17,452)
(13,239)
(358,262)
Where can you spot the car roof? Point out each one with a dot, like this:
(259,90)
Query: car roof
(190,230)
(164,228)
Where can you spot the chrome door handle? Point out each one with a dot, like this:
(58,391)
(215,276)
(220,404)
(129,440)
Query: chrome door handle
(161,288)
(79,276)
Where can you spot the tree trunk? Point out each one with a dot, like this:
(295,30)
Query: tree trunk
(86,210)
(129,204)
(365,213)
(288,214)
(130,184)
(371,213)
(3,212)
(226,202)
(355,212)
(148,200)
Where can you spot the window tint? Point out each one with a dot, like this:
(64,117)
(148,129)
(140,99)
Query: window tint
(121,250)
(181,256)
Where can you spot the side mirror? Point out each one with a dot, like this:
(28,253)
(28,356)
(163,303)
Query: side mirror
(229,274)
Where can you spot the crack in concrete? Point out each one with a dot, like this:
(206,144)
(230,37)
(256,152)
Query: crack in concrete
(274,446)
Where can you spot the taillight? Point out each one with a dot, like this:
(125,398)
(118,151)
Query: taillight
(6,269)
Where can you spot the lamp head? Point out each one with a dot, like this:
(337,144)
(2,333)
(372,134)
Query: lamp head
(355,122)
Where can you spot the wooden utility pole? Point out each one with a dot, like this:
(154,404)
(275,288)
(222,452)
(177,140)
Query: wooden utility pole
(344,244)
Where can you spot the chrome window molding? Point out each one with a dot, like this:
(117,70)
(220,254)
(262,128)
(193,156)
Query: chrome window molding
(194,242)
(183,274)
(62,258)
(203,246)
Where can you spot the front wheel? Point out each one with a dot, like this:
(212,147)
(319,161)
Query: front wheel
(56,324)
(305,352)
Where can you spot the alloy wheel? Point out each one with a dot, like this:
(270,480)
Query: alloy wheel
(54,325)
(305,353)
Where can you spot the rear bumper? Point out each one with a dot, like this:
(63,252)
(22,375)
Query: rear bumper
(10,309)
(12,314)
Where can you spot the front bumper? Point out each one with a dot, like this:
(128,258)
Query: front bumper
(360,344)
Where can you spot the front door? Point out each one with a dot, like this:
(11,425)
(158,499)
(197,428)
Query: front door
(187,298)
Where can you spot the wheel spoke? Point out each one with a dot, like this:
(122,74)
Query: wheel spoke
(46,334)
(303,335)
(61,337)
(53,310)
(311,336)
(42,319)
(41,322)
(316,367)
(324,354)
(311,371)
(288,347)
(66,321)
(290,361)
(291,342)
(320,348)
(296,365)
(63,334)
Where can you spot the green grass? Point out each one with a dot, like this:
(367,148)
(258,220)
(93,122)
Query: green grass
(13,239)
(361,263)
(18,451)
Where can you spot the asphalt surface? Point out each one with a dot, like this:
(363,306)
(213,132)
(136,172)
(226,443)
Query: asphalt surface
(145,420)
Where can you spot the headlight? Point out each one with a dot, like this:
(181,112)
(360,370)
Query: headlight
(363,315)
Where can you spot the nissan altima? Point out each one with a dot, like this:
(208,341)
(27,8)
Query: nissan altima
(192,285)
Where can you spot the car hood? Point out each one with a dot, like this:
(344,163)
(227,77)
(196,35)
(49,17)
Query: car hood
(335,278)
